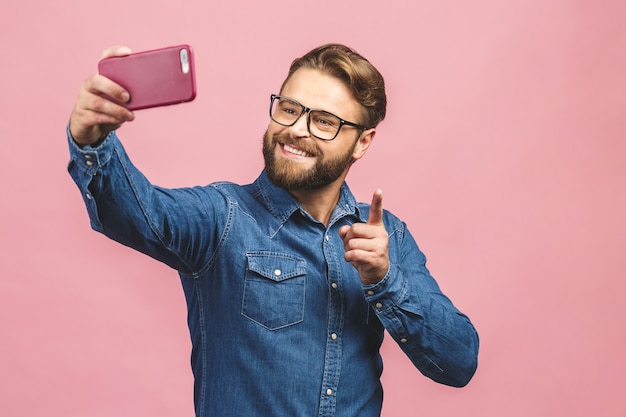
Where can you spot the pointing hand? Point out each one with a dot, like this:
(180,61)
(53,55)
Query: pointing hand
(367,244)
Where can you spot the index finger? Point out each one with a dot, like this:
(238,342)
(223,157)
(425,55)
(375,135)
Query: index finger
(376,208)
(106,88)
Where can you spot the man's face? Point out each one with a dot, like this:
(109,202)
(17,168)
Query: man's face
(295,160)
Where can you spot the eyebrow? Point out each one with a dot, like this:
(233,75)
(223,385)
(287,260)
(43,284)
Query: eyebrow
(324,110)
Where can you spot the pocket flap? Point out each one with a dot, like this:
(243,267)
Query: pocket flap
(275,266)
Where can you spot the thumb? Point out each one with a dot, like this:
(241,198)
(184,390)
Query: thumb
(376,209)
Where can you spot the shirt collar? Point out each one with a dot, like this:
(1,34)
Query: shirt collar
(281,204)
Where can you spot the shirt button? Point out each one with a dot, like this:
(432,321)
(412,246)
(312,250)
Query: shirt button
(370,292)
(88,196)
(379,305)
(329,391)
(277,272)
(89,163)
(403,340)
(334,285)
(333,336)
(326,238)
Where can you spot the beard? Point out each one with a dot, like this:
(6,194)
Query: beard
(290,176)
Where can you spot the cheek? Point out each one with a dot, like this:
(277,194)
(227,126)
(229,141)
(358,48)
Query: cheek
(275,128)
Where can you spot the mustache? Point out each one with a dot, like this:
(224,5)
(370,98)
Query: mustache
(286,139)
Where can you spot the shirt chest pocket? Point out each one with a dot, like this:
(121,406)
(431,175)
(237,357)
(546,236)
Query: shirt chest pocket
(274,289)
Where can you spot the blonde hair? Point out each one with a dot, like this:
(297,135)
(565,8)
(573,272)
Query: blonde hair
(362,79)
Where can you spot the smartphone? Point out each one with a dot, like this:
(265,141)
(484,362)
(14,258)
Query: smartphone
(154,78)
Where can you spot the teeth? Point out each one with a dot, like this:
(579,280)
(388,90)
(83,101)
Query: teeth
(295,151)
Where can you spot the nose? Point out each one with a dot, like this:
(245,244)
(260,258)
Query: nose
(300,128)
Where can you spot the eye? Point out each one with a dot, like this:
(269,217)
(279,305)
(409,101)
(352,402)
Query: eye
(289,108)
(324,120)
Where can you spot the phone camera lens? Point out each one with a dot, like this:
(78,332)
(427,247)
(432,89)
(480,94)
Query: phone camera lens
(184,61)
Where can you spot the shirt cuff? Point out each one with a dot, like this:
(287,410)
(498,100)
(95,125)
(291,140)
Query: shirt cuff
(387,292)
(89,158)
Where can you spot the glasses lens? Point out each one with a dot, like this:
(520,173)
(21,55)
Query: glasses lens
(324,125)
(285,111)
(321,124)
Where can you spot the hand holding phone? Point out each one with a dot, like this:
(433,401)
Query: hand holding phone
(158,77)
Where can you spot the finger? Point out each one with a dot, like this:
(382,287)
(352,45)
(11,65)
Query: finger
(355,231)
(376,209)
(101,85)
(105,111)
(361,244)
(96,95)
(361,257)
(117,50)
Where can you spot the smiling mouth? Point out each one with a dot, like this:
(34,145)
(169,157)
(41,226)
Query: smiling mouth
(296,151)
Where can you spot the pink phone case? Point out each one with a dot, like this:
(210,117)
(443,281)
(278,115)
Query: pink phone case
(159,77)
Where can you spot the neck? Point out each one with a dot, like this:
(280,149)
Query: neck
(320,203)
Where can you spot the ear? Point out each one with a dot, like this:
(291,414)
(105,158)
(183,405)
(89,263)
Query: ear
(363,143)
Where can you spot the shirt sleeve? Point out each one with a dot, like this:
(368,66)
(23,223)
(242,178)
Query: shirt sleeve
(123,205)
(440,340)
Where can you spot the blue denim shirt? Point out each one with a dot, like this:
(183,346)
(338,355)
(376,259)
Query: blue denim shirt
(280,323)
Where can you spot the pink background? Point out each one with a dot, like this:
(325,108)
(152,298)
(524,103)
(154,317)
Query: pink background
(503,150)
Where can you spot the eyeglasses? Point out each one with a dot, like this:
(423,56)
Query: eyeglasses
(321,124)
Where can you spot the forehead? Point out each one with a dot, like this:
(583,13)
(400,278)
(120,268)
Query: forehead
(318,90)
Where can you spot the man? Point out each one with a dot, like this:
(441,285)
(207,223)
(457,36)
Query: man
(290,283)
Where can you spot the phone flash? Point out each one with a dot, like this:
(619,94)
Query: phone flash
(184,61)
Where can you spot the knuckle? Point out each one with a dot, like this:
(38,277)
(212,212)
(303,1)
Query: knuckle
(98,103)
(90,85)
(106,107)
(357,228)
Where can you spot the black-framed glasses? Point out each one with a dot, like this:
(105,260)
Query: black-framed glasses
(321,124)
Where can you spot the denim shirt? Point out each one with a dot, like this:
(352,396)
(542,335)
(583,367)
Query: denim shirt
(280,323)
